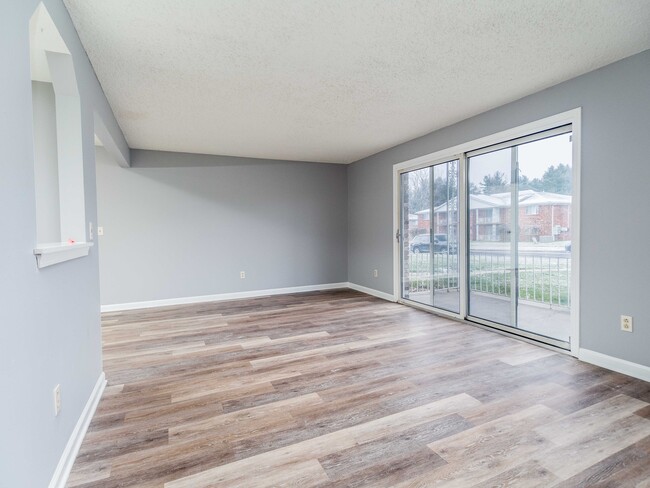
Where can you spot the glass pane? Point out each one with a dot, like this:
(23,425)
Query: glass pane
(416,236)
(545,188)
(490,252)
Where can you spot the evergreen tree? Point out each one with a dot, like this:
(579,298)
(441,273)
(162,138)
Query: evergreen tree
(496,183)
(557,179)
(554,180)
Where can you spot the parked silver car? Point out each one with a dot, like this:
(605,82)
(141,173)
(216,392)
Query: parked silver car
(422,243)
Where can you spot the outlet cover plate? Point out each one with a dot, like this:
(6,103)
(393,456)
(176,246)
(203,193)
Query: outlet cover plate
(626,323)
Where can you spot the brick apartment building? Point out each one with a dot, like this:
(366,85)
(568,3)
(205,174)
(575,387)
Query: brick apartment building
(543,217)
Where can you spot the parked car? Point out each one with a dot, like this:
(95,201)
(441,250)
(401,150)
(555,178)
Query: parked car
(422,243)
(440,243)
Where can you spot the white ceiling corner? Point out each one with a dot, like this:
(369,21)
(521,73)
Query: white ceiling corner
(335,80)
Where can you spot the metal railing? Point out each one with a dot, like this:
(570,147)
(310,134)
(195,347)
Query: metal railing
(543,277)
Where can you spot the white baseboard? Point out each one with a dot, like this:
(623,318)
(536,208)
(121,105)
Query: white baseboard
(371,291)
(221,297)
(615,364)
(62,471)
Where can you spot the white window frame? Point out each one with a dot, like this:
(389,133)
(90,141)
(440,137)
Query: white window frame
(459,151)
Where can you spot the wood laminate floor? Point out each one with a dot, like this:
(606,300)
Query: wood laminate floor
(342,389)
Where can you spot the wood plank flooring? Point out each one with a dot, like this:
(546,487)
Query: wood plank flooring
(341,389)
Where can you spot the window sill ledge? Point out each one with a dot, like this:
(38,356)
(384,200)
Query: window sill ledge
(58,252)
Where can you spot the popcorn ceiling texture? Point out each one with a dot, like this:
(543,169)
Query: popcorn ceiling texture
(338,80)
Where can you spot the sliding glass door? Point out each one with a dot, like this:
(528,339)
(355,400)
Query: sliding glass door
(519,260)
(501,254)
(429,236)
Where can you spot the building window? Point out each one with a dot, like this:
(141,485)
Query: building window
(532,210)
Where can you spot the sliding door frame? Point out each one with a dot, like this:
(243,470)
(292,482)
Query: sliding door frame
(459,152)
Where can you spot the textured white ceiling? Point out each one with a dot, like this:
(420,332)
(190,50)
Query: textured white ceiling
(335,80)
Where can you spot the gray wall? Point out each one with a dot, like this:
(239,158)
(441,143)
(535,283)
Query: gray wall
(182,225)
(49,318)
(615,179)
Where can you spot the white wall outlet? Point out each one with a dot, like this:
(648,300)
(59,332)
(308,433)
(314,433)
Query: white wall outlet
(375,273)
(100,231)
(57,399)
(626,323)
(242,274)
(91,234)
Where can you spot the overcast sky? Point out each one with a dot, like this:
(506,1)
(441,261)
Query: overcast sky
(534,159)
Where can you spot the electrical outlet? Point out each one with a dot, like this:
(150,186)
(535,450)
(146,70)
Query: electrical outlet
(57,399)
(375,273)
(626,323)
(100,231)
(242,274)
